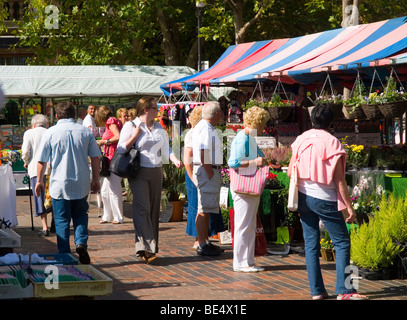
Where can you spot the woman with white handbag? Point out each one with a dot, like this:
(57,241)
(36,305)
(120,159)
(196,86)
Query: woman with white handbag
(319,160)
(246,156)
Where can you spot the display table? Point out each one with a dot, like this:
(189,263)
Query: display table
(396,184)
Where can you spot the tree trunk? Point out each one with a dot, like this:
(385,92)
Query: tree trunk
(350,13)
(171,43)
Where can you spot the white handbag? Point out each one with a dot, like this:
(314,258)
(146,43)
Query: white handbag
(293,190)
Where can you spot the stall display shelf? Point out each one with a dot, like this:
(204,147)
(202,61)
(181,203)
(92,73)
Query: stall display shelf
(101,286)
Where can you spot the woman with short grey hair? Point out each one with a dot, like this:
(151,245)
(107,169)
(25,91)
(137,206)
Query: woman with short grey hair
(31,143)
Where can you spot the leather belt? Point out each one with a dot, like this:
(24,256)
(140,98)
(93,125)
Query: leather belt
(199,164)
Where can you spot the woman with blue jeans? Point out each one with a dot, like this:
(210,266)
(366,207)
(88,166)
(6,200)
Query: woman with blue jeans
(319,159)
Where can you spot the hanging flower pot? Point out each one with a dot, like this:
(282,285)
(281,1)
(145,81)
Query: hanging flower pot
(393,109)
(372,111)
(279,113)
(352,112)
(336,109)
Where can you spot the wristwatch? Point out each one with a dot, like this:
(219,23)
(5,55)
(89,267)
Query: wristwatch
(107,141)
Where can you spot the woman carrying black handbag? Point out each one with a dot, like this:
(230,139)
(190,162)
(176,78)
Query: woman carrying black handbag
(151,141)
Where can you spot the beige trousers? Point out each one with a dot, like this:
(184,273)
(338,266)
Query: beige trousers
(146,189)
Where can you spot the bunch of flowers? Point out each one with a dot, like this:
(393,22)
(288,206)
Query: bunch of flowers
(225,176)
(390,94)
(272,182)
(326,242)
(279,155)
(332,99)
(366,198)
(357,155)
(274,101)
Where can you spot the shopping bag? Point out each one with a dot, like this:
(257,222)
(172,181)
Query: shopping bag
(250,184)
(260,248)
(292,204)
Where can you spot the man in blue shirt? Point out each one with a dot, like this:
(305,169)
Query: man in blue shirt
(67,146)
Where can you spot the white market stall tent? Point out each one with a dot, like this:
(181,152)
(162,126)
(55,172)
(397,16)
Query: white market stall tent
(87,81)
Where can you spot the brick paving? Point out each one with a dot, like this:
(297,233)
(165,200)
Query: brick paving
(180,274)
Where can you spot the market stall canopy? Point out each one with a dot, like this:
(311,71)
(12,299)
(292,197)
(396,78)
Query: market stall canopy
(304,59)
(87,81)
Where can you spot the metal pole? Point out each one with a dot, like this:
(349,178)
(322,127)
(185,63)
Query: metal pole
(199,15)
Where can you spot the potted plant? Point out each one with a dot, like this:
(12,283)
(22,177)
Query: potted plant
(371,108)
(352,106)
(376,245)
(365,199)
(373,250)
(174,186)
(335,102)
(392,103)
(358,156)
(327,248)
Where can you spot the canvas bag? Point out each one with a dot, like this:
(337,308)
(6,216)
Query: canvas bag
(292,204)
(251,184)
(248,183)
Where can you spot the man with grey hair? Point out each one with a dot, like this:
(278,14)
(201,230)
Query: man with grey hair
(207,159)
(29,149)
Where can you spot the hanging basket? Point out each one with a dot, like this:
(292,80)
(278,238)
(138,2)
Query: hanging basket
(372,111)
(393,109)
(354,114)
(336,109)
(279,113)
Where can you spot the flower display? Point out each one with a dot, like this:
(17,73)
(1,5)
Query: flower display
(366,198)
(389,94)
(225,176)
(326,242)
(358,155)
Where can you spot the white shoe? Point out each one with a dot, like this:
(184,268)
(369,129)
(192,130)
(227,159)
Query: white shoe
(249,269)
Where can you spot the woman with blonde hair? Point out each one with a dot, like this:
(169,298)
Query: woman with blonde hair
(111,190)
(152,141)
(122,115)
(246,156)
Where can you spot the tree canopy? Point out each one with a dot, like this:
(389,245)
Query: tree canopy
(164,32)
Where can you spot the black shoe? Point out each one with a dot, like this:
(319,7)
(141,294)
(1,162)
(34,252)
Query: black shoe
(82,251)
(43,233)
(207,250)
(218,248)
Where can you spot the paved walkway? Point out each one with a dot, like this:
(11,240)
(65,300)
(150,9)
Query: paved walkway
(179,274)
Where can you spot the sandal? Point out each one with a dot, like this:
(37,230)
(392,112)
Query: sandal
(351,296)
(116,222)
(102,221)
(320,297)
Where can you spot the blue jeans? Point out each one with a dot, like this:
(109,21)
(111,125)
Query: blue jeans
(311,211)
(64,211)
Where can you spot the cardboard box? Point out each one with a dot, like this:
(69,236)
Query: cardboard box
(102,286)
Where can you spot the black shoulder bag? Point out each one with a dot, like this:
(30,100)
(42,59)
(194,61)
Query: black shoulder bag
(126,165)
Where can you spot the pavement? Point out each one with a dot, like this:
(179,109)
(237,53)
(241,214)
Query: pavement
(180,274)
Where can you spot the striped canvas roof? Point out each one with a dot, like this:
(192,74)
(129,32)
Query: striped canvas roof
(306,59)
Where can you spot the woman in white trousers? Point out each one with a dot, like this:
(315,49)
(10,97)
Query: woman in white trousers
(244,236)
(111,190)
(246,156)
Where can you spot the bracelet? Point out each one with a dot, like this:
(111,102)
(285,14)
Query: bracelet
(107,141)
